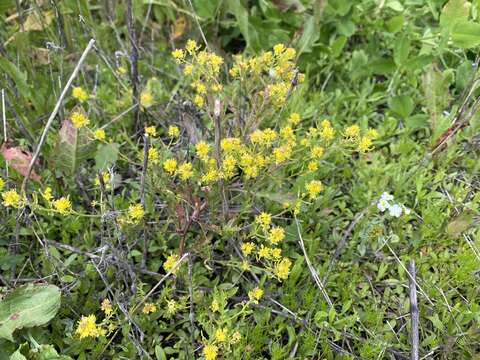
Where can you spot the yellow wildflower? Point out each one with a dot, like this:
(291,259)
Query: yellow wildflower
(107,307)
(282,269)
(210,352)
(79,94)
(11,198)
(178,54)
(255,294)
(364,144)
(63,205)
(149,308)
(294,118)
(99,134)
(276,253)
(185,171)
(352,131)
(199,101)
(191,46)
(327,133)
(173,131)
(276,235)
(317,152)
(153,156)
(79,120)
(136,212)
(264,252)
(170,165)
(202,149)
(87,327)
(247,248)
(121,70)
(312,166)
(106,179)
(151,131)
(221,335)
(278,49)
(188,69)
(264,219)
(313,188)
(170,262)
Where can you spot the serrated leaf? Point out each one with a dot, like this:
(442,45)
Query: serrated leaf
(72,147)
(28,306)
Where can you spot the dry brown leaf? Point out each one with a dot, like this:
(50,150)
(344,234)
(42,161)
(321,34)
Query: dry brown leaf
(37,22)
(19,159)
(179,27)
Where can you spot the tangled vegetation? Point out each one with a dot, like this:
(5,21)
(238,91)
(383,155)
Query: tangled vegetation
(239,180)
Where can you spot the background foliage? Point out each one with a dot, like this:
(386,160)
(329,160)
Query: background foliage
(402,67)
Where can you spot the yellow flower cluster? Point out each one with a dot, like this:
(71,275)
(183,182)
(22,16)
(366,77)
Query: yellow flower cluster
(268,254)
(79,94)
(149,308)
(79,119)
(203,69)
(363,143)
(11,198)
(170,262)
(87,327)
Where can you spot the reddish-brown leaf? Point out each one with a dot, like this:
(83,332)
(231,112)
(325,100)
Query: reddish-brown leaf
(19,160)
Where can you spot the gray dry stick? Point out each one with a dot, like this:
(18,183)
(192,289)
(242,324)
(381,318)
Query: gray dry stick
(413,309)
(55,111)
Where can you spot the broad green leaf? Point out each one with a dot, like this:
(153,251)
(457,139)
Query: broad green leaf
(337,45)
(453,12)
(72,147)
(466,34)
(401,50)
(401,105)
(311,33)
(17,355)
(28,306)
(241,14)
(395,23)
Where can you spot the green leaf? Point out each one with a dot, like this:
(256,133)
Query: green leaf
(106,155)
(453,12)
(466,34)
(20,80)
(401,50)
(28,306)
(72,146)
(160,353)
(48,352)
(395,23)
(311,33)
(401,105)
(17,355)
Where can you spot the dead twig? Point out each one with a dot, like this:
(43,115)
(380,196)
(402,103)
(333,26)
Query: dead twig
(413,309)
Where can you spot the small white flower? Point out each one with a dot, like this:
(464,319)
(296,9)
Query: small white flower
(395,210)
(406,210)
(386,196)
(383,205)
